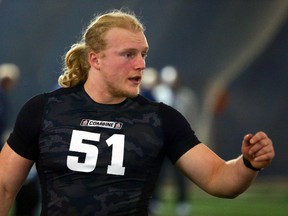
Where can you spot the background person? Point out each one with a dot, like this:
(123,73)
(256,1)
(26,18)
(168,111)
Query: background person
(9,75)
(173,92)
(27,200)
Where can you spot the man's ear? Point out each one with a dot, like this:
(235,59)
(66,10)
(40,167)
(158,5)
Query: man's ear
(93,59)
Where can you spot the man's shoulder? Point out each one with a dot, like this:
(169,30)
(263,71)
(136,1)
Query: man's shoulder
(143,100)
(61,91)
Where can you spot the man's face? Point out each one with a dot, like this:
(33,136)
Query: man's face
(122,63)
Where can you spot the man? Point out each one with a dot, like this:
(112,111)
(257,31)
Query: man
(98,145)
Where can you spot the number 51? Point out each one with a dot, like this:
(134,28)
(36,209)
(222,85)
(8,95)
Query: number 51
(117,142)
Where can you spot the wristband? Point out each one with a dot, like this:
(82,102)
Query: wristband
(249,165)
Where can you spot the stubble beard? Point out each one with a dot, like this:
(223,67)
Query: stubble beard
(119,93)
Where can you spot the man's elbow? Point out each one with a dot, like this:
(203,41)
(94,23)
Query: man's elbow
(227,194)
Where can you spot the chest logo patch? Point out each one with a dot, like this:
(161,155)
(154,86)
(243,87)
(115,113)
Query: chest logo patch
(102,124)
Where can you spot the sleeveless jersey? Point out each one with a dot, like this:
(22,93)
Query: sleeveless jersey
(96,159)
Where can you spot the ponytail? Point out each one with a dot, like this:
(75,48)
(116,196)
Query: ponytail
(76,66)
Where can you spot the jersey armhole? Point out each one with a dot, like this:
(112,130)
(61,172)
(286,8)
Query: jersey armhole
(24,137)
(177,132)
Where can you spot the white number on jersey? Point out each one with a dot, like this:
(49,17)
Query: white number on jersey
(117,141)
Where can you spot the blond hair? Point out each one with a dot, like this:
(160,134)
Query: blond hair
(76,65)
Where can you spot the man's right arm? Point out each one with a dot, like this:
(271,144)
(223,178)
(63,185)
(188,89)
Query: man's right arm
(13,172)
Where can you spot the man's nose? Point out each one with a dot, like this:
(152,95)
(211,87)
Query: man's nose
(140,62)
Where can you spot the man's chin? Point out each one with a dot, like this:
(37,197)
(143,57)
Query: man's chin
(133,94)
(127,94)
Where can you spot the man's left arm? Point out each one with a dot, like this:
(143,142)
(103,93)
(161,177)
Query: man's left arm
(227,178)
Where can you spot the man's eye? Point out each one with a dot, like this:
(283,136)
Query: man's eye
(129,55)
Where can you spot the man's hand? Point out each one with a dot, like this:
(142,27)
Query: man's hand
(258,149)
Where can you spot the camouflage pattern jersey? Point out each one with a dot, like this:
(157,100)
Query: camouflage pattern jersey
(97,159)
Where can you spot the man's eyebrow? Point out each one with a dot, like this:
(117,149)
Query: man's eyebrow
(135,50)
(130,49)
(146,49)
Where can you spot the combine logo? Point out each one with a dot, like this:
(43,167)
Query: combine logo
(102,124)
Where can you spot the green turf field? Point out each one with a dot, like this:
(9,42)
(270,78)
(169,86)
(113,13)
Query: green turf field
(266,197)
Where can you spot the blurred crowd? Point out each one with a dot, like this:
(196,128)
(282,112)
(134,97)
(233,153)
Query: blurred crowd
(167,86)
